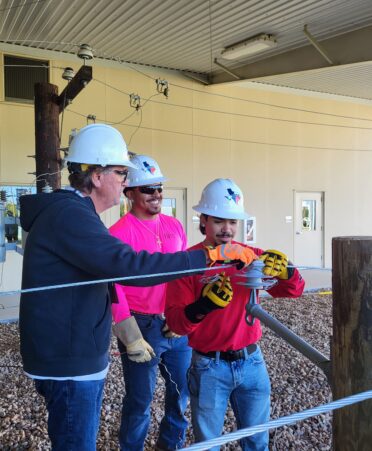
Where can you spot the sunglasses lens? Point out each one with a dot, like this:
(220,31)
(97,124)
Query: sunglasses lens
(122,174)
(150,189)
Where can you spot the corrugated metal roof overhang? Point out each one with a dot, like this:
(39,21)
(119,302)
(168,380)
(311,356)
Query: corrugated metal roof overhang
(350,80)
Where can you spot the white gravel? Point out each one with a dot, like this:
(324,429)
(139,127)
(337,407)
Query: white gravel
(296,385)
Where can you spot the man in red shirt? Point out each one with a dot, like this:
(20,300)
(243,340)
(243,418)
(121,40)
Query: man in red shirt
(227,364)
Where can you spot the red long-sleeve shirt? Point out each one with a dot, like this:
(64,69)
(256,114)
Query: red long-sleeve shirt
(223,329)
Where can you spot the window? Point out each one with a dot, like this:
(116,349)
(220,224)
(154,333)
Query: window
(20,76)
(308,215)
(250,230)
(10,195)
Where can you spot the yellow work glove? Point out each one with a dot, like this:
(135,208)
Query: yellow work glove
(275,264)
(230,253)
(128,332)
(168,333)
(215,295)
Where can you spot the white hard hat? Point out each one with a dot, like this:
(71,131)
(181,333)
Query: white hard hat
(222,198)
(99,144)
(147,172)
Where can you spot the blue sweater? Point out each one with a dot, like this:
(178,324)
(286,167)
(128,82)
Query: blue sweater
(66,332)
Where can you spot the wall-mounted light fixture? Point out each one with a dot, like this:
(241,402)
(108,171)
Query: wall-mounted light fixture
(255,44)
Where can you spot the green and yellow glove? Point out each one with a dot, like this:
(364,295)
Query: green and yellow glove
(275,264)
(215,295)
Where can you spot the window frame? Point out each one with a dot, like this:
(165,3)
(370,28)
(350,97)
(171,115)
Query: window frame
(21,100)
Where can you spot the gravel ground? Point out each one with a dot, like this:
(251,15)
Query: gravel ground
(296,385)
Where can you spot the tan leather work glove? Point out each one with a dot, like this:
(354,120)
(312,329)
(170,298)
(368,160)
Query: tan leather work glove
(168,333)
(128,332)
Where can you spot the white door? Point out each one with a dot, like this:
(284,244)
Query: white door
(308,239)
(174,204)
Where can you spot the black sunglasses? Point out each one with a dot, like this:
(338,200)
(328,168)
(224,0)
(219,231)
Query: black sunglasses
(123,173)
(150,189)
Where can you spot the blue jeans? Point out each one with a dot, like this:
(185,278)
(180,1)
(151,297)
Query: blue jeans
(245,382)
(173,357)
(74,411)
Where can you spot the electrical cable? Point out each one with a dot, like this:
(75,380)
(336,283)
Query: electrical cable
(137,128)
(230,98)
(115,279)
(246,141)
(279,422)
(256,102)
(131,63)
(252,116)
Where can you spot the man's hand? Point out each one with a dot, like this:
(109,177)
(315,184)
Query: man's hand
(219,293)
(275,264)
(168,333)
(215,295)
(230,253)
(128,332)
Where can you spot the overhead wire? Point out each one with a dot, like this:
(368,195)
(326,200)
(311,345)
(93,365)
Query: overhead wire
(295,146)
(252,116)
(246,141)
(257,102)
(271,105)
(131,65)
(122,121)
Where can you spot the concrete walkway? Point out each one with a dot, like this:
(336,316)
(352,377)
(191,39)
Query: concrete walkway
(9,308)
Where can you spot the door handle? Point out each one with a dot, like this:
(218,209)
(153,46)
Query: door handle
(298,233)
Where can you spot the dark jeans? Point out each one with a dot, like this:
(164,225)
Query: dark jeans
(74,411)
(173,359)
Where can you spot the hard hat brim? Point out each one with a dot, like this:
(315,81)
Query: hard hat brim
(210,212)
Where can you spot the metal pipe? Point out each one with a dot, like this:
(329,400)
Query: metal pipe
(2,233)
(290,337)
(316,44)
(226,69)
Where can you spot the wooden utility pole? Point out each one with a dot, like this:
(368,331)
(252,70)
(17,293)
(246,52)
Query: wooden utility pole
(48,106)
(352,340)
(47,136)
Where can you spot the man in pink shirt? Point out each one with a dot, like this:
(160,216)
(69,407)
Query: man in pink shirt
(146,228)
(227,364)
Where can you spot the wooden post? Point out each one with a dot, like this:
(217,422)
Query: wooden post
(352,340)
(47,136)
(48,106)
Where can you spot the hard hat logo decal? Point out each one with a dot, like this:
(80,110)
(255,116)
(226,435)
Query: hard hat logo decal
(233,196)
(149,168)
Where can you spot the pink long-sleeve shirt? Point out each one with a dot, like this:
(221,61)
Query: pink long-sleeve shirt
(142,235)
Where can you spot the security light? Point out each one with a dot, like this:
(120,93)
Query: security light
(250,46)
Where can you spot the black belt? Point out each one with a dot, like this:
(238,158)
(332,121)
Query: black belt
(148,315)
(230,356)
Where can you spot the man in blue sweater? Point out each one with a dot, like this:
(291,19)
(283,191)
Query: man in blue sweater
(65,333)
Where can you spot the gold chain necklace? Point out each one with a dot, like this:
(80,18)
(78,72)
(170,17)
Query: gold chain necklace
(156,234)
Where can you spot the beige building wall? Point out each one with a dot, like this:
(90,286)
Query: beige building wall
(200,133)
